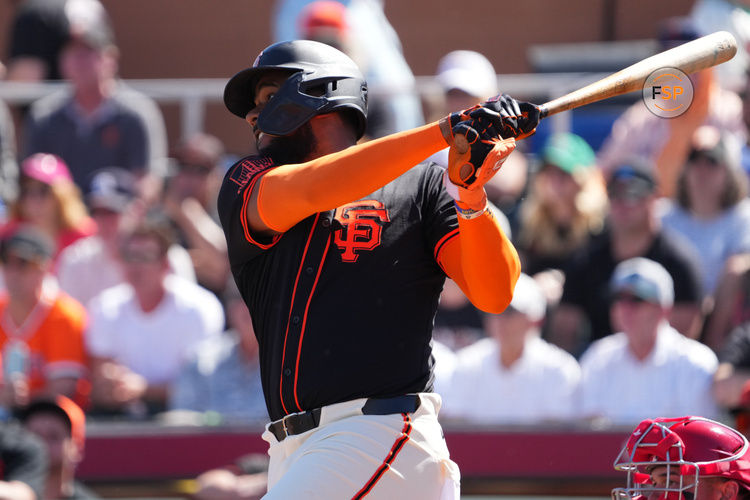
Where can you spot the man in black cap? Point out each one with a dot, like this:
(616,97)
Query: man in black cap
(633,231)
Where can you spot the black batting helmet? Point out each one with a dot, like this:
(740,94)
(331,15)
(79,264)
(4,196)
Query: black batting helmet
(322,79)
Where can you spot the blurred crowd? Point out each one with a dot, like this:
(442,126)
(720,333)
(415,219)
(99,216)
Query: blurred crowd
(116,292)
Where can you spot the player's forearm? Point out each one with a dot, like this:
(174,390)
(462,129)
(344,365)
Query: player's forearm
(290,193)
(489,263)
(483,262)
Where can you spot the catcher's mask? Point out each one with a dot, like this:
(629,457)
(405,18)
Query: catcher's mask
(321,80)
(685,451)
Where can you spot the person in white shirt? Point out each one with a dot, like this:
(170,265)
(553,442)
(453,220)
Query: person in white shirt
(90,265)
(513,376)
(142,331)
(647,367)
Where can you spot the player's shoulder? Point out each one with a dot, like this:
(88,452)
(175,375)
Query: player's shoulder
(245,169)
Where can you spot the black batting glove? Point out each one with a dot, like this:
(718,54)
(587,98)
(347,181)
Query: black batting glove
(518,118)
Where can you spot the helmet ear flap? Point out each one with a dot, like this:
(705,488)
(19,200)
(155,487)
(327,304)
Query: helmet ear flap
(289,108)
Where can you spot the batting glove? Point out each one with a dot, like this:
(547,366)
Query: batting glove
(519,119)
(473,158)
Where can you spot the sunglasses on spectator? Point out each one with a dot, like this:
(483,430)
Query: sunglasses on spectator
(103,212)
(19,263)
(631,299)
(140,257)
(628,193)
(35,191)
(703,158)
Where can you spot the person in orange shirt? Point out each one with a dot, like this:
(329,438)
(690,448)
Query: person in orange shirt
(41,328)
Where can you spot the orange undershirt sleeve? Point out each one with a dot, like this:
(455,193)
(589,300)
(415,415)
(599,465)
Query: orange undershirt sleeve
(483,263)
(289,193)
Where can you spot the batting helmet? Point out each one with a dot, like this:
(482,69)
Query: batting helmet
(690,448)
(321,80)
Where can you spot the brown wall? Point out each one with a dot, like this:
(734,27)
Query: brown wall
(204,38)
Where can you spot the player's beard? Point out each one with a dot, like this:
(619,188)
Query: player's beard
(296,147)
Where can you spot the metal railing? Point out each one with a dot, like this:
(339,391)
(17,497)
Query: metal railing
(192,95)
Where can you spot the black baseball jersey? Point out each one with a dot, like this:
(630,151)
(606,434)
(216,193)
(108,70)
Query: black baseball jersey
(343,303)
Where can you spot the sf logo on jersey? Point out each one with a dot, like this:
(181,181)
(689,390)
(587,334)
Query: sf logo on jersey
(362,223)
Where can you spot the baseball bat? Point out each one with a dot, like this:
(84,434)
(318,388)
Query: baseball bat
(690,57)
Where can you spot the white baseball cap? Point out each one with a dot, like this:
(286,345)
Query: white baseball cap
(528,298)
(644,278)
(469,72)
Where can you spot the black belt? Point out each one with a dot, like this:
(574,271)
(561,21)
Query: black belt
(297,423)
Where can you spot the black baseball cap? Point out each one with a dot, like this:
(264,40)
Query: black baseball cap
(632,178)
(27,242)
(714,146)
(111,188)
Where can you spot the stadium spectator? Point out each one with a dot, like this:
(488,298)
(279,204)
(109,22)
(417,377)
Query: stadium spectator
(222,375)
(732,379)
(665,144)
(190,200)
(141,331)
(91,265)
(41,328)
(467,78)
(99,122)
(646,367)
(566,206)
(711,208)
(326,21)
(523,378)
(712,212)
(633,230)
(38,32)
(23,463)
(379,54)
(50,200)
(8,164)
(709,16)
(61,425)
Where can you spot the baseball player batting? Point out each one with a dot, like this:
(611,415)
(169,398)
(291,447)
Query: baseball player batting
(340,251)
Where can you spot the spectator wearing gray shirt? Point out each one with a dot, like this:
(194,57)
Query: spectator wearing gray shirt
(98,122)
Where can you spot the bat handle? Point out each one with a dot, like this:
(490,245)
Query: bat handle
(543,111)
